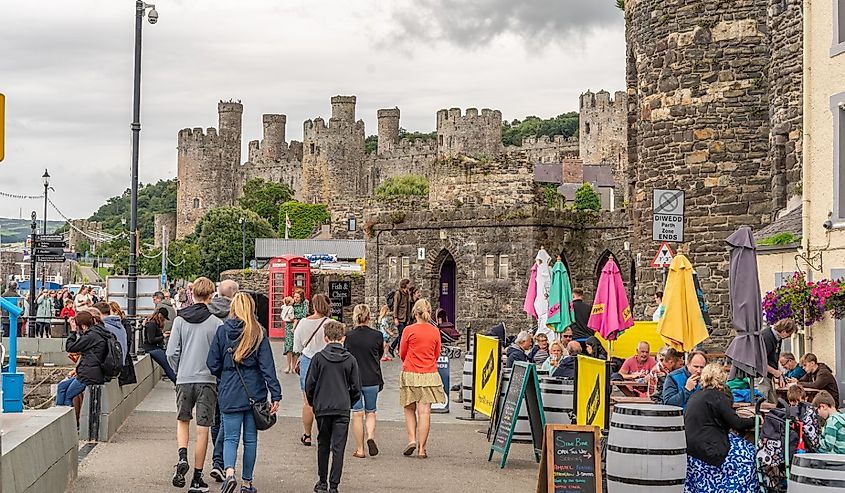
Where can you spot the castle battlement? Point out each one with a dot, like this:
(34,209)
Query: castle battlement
(546,141)
(196,137)
(454,115)
(602,100)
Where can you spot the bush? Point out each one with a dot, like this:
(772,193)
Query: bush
(403,186)
(586,199)
(303,217)
(780,239)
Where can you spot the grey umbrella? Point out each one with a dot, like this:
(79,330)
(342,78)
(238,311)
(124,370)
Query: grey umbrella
(746,352)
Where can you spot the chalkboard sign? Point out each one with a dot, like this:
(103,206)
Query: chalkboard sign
(337,310)
(523,385)
(571,461)
(341,291)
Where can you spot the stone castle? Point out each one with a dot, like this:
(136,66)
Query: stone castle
(331,165)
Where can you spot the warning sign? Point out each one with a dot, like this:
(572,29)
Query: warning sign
(668,217)
(664,256)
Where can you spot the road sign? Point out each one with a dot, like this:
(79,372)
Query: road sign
(668,215)
(2,125)
(664,256)
(50,259)
(54,238)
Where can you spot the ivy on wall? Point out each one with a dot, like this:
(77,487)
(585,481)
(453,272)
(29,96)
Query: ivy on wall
(303,217)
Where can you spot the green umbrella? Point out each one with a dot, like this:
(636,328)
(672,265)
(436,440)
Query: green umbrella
(561,314)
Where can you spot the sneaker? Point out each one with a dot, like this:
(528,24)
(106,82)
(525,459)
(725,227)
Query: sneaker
(321,487)
(248,489)
(333,489)
(217,474)
(182,468)
(198,486)
(229,485)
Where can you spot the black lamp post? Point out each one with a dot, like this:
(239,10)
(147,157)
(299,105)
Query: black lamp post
(132,287)
(46,179)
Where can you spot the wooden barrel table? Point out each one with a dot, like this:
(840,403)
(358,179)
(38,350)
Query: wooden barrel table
(646,449)
(817,473)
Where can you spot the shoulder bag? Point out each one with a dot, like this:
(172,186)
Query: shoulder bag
(264,419)
(296,366)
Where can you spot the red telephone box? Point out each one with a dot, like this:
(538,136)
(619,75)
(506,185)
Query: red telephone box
(287,273)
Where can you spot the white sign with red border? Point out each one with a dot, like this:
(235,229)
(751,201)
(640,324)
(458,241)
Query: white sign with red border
(664,256)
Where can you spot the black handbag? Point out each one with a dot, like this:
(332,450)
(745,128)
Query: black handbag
(264,419)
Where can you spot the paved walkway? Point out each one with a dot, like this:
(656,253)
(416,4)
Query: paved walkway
(141,456)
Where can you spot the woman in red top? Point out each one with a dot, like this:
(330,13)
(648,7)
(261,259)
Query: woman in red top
(419,383)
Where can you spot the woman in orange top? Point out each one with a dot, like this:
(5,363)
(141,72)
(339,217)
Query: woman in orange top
(419,383)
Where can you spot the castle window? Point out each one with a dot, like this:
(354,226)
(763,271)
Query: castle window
(837,106)
(196,203)
(586,128)
(318,150)
(450,142)
(838,40)
(441,140)
(391,267)
(312,148)
(503,266)
(351,224)
(406,267)
(489,266)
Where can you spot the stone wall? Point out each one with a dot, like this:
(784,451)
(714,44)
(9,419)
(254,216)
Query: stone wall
(468,236)
(547,150)
(698,77)
(505,179)
(473,134)
(165,220)
(602,133)
(84,225)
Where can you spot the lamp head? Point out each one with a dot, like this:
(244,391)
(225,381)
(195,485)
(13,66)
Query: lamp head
(152,16)
(46,178)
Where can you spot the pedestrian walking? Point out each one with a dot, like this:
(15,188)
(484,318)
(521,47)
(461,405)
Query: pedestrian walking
(385,325)
(301,310)
(241,358)
(154,341)
(419,383)
(288,316)
(401,310)
(332,385)
(187,350)
(307,341)
(367,346)
(43,314)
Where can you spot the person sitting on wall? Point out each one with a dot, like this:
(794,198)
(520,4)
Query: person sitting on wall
(518,350)
(566,368)
(790,364)
(682,383)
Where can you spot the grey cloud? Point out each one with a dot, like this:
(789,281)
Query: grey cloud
(475,23)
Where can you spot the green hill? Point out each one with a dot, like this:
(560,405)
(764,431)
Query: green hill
(16,230)
(153,199)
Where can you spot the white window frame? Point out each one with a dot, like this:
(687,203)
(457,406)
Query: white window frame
(504,264)
(837,109)
(406,268)
(838,39)
(392,262)
(489,266)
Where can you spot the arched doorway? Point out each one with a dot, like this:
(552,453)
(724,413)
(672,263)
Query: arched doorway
(447,286)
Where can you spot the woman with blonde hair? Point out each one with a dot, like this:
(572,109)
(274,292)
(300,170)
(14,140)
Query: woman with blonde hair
(240,356)
(308,340)
(717,460)
(420,385)
(367,346)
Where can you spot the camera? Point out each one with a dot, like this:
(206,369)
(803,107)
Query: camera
(152,16)
(828,225)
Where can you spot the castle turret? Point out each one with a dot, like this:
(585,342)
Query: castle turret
(388,129)
(343,108)
(274,144)
(471,134)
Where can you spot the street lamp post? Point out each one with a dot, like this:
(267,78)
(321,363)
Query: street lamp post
(243,242)
(46,179)
(132,288)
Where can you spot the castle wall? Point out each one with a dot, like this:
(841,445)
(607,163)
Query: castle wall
(473,134)
(699,122)
(466,181)
(602,133)
(547,150)
(165,221)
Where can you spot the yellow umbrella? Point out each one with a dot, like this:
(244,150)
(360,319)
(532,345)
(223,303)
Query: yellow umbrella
(682,325)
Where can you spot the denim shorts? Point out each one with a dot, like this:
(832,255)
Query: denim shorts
(304,363)
(368,400)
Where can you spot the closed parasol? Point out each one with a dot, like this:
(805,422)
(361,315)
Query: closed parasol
(561,314)
(611,313)
(682,324)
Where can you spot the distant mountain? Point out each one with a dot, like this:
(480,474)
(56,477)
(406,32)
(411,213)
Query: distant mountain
(16,230)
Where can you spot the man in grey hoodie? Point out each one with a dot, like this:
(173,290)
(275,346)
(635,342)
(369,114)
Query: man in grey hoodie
(187,350)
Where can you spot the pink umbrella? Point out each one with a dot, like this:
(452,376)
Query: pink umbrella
(531,294)
(611,312)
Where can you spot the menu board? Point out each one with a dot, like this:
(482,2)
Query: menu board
(510,407)
(571,461)
(523,385)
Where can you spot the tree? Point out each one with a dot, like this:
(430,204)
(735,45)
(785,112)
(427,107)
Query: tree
(185,261)
(371,144)
(218,235)
(404,185)
(532,126)
(152,199)
(304,218)
(586,199)
(265,197)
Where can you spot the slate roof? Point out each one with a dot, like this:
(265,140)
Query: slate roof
(266,248)
(789,223)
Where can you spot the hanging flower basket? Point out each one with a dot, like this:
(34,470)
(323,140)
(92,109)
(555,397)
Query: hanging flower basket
(805,302)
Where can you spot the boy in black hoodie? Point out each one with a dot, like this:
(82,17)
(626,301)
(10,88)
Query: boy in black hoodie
(331,386)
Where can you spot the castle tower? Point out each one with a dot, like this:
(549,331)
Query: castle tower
(699,122)
(602,134)
(273,143)
(206,166)
(388,129)
(472,134)
(343,108)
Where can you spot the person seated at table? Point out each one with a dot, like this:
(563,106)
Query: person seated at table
(793,369)
(556,355)
(682,383)
(795,393)
(595,349)
(540,352)
(833,436)
(518,351)
(668,360)
(566,368)
(638,365)
(717,460)
(819,376)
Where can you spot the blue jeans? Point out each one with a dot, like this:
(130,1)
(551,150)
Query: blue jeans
(68,389)
(160,357)
(304,363)
(367,401)
(232,424)
(398,340)
(217,435)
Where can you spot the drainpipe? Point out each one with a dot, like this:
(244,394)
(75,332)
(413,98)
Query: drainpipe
(805,145)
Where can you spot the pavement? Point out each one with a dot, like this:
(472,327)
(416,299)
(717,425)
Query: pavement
(141,456)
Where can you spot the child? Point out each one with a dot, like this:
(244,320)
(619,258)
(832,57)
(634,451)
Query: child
(331,386)
(288,316)
(385,325)
(833,438)
(67,312)
(795,394)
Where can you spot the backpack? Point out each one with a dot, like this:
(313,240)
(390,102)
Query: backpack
(390,297)
(112,363)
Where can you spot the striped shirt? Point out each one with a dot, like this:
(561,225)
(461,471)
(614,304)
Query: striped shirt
(833,438)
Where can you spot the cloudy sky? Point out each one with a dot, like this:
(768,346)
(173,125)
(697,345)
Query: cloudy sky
(66,71)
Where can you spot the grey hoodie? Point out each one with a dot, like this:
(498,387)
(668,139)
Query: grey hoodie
(187,350)
(114,325)
(219,307)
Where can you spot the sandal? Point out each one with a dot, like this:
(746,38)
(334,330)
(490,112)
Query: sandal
(361,456)
(409,449)
(306,440)
(423,456)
